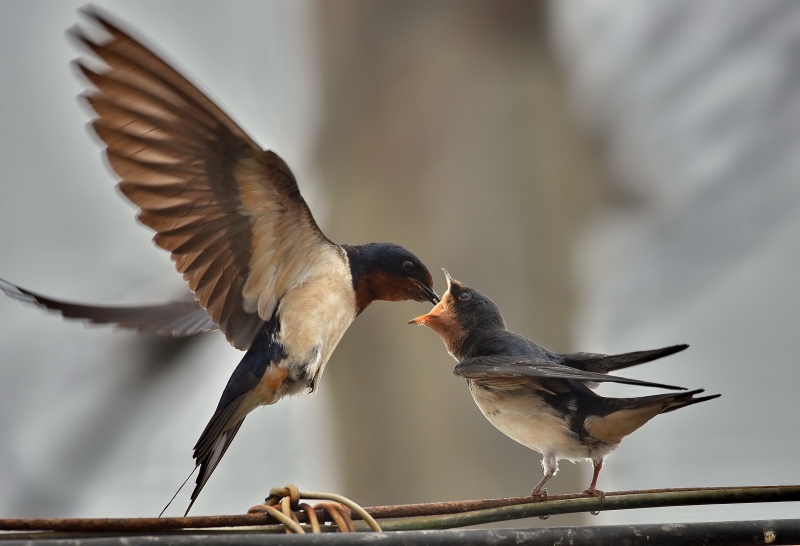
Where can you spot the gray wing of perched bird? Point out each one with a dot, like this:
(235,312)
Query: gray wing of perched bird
(600,363)
(500,367)
(177,318)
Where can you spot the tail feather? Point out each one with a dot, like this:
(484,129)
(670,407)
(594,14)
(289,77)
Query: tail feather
(682,402)
(600,363)
(221,421)
(615,418)
(669,402)
(178,491)
(238,400)
(209,458)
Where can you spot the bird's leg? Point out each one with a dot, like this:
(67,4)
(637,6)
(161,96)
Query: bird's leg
(550,466)
(593,491)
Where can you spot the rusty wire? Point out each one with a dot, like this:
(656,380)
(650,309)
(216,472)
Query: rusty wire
(338,509)
(266,517)
(311,514)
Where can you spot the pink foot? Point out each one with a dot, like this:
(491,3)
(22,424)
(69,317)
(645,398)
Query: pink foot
(541,493)
(596,493)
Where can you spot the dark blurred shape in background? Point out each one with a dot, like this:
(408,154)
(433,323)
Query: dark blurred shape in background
(615,175)
(445,128)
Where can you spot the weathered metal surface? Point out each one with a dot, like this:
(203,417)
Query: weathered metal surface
(486,510)
(627,501)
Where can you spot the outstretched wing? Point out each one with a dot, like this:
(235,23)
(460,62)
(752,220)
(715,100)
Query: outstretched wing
(600,363)
(177,318)
(510,367)
(230,213)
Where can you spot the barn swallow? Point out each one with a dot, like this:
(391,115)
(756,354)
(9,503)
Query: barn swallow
(239,232)
(540,398)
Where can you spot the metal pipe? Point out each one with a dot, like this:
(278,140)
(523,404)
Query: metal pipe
(438,515)
(730,533)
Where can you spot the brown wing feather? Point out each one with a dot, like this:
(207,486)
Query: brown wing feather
(230,213)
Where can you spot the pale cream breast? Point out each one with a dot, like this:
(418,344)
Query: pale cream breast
(315,314)
(525,417)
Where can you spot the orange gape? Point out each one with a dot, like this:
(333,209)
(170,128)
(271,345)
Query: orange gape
(443,321)
(439,319)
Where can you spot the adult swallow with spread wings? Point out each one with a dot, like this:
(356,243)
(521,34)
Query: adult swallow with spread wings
(239,232)
(540,398)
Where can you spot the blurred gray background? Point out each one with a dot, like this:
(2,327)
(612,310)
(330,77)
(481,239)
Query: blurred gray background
(616,175)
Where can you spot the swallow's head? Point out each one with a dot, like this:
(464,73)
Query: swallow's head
(389,272)
(462,312)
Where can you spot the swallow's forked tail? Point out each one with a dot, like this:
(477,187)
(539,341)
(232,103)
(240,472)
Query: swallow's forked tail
(207,453)
(257,367)
(687,399)
(176,493)
(625,415)
(209,450)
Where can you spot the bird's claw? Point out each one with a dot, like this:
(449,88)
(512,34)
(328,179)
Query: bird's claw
(596,493)
(541,493)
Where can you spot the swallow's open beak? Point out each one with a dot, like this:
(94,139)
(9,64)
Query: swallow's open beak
(433,314)
(430,295)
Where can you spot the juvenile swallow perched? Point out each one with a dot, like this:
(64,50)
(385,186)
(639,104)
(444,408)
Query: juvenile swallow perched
(239,232)
(540,398)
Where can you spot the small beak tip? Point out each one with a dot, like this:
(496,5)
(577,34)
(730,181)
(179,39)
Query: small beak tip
(447,277)
(420,320)
(430,294)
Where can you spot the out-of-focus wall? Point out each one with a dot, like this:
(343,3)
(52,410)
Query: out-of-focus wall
(445,130)
(697,106)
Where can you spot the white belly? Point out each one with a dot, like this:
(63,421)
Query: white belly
(523,416)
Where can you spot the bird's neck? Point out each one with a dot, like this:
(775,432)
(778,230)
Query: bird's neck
(370,281)
(482,342)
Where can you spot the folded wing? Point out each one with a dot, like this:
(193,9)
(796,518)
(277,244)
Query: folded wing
(509,367)
(230,214)
(600,363)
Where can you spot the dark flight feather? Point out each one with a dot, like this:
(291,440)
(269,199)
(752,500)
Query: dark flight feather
(601,363)
(178,318)
(496,367)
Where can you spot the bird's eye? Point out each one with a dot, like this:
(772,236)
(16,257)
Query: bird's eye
(466,296)
(408,266)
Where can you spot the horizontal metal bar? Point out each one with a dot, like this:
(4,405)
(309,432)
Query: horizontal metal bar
(730,533)
(731,495)
(439,515)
